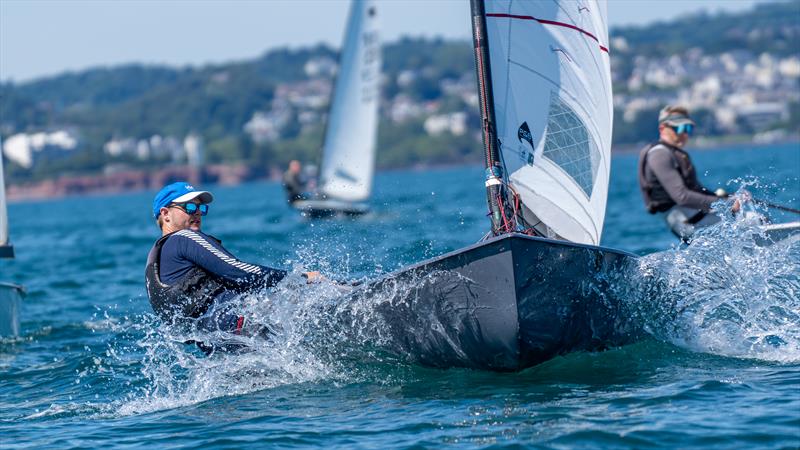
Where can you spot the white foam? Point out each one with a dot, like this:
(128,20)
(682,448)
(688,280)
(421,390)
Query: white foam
(725,294)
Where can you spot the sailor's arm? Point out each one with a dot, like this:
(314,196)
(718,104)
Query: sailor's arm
(661,163)
(214,258)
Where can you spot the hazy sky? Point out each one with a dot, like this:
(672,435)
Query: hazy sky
(47,37)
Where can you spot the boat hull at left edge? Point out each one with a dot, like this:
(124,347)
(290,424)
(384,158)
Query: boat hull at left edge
(10,303)
(504,304)
(330,208)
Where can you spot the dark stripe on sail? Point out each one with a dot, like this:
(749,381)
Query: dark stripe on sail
(550,22)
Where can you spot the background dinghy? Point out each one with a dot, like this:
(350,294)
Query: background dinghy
(348,154)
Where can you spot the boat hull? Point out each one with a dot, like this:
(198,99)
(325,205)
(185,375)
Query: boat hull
(678,221)
(6,251)
(10,303)
(780,231)
(506,304)
(330,208)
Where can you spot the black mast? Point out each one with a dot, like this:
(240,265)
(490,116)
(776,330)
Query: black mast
(495,194)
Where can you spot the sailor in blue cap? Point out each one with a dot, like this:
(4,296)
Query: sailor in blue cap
(191,277)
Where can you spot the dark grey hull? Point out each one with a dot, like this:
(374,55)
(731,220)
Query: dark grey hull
(6,251)
(320,208)
(505,304)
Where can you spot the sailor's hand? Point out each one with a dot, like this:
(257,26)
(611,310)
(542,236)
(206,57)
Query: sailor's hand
(741,198)
(313,277)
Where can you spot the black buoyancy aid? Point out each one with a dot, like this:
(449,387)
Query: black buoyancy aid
(188,298)
(656,198)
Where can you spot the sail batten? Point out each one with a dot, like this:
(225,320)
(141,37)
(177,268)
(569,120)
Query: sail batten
(551,78)
(348,159)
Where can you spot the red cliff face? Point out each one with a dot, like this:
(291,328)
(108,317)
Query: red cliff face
(122,180)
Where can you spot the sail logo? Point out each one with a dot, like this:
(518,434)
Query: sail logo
(524,134)
(370,66)
(340,173)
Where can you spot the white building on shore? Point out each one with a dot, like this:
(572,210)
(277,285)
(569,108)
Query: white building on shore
(23,149)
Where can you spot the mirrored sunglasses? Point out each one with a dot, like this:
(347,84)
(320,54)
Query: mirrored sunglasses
(684,128)
(192,208)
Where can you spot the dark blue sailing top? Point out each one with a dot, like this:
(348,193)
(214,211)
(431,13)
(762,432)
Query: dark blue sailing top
(186,249)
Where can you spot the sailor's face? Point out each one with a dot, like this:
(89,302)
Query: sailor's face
(179,219)
(669,136)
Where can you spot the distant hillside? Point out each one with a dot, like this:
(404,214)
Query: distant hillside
(99,86)
(119,98)
(769,27)
(423,77)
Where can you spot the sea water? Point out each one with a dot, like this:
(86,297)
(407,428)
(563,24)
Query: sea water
(93,367)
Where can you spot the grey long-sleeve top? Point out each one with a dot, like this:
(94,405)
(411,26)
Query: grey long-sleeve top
(661,165)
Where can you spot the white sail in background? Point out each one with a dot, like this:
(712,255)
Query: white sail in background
(348,160)
(3,210)
(551,82)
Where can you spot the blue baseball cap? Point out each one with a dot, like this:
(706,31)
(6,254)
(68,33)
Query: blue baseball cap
(178,192)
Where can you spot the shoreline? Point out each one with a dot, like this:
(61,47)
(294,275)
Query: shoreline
(130,181)
(699,144)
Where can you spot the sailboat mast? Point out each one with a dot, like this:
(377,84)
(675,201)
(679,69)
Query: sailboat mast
(494,168)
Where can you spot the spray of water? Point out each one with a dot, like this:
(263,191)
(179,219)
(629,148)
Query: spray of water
(323,331)
(732,291)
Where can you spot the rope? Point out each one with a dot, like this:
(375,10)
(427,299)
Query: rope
(776,206)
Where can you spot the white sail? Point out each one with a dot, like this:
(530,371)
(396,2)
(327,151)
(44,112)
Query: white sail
(551,82)
(348,159)
(3,210)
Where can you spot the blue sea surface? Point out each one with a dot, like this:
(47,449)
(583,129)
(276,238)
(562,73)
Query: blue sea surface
(93,368)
